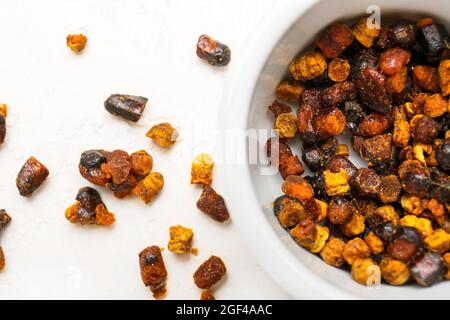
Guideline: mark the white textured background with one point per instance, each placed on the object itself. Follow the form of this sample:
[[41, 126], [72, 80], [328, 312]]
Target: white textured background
[[56, 111]]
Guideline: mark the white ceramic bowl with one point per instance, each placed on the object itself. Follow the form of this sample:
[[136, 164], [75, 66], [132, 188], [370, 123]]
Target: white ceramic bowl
[[254, 75]]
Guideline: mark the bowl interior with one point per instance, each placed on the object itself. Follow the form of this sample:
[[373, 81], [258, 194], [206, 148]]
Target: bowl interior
[[267, 187]]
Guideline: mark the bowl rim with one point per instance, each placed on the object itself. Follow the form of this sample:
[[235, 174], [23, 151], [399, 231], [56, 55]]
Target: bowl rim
[[280, 265]]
